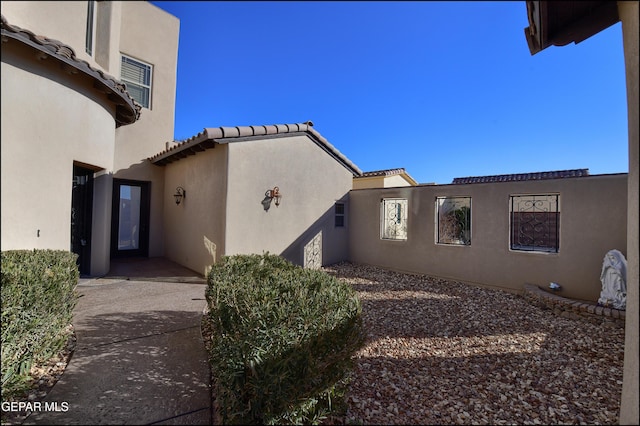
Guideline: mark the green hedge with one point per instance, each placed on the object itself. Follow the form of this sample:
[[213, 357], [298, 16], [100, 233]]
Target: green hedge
[[38, 297], [283, 339]]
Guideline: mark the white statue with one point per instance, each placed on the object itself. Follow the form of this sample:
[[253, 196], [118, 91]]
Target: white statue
[[614, 281]]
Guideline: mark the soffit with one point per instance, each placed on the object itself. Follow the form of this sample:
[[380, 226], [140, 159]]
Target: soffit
[[558, 23]]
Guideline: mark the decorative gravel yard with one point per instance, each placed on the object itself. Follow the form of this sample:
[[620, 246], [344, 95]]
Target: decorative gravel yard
[[443, 352]]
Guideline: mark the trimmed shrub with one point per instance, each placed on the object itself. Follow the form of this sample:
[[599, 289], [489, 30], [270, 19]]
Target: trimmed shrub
[[282, 340], [38, 297]]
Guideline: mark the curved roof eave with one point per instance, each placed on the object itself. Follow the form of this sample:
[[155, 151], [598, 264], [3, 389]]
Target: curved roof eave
[[127, 109]]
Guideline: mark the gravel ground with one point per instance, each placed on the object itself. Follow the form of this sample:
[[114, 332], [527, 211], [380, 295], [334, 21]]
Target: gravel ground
[[443, 352]]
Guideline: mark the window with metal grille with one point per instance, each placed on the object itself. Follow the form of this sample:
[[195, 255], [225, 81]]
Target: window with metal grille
[[137, 76], [339, 214], [393, 217], [454, 220], [535, 222]]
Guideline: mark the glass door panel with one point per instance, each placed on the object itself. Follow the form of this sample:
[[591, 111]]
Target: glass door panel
[[130, 231], [129, 220]]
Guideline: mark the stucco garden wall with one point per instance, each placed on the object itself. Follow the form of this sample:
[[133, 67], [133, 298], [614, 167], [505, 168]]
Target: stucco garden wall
[[592, 222]]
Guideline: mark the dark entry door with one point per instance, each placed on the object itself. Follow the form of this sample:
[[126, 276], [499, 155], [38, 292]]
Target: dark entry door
[[81, 209], [130, 218]]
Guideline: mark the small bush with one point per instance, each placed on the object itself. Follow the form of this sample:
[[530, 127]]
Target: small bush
[[282, 340], [38, 297]]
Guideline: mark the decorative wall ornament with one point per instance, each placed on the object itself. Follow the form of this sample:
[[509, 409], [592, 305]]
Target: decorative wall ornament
[[180, 194]]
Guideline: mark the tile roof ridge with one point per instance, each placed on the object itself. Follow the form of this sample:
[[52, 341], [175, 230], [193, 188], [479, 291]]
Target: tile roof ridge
[[553, 174], [224, 134], [385, 172]]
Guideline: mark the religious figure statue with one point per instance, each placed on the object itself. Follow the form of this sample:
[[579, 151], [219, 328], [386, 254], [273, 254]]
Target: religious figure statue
[[614, 281]]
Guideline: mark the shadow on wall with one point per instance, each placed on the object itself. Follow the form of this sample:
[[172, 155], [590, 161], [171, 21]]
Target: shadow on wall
[[328, 242]]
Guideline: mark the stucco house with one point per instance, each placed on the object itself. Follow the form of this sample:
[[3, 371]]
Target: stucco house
[[74, 138], [111, 175], [384, 179], [89, 165]]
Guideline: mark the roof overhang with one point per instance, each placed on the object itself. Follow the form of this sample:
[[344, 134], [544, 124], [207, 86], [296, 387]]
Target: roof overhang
[[127, 111], [558, 23], [210, 137]]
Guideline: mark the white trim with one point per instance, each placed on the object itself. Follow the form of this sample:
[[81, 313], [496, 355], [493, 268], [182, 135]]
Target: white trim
[[140, 84]]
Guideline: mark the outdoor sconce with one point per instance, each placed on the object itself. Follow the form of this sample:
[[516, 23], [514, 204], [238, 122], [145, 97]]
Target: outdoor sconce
[[274, 193], [180, 194]]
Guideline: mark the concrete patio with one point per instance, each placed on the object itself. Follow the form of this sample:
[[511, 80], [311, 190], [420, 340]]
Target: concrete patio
[[139, 357]]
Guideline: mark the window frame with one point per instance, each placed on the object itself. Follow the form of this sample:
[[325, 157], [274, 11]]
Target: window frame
[[90, 36], [465, 241], [403, 221], [134, 83], [552, 236], [339, 215]]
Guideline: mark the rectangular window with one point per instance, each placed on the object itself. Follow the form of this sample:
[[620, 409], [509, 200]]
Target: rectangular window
[[535, 222], [90, 27], [393, 217], [454, 220], [339, 214], [137, 76]]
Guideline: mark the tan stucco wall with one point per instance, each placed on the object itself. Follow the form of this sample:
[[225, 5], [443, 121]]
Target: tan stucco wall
[[65, 22], [151, 35], [488, 260], [380, 182], [368, 182], [310, 181], [194, 230], [49, 121], [393, 181], [629, 15]]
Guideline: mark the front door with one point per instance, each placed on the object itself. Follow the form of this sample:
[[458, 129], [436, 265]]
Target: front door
[[130, 218], [81, 209]]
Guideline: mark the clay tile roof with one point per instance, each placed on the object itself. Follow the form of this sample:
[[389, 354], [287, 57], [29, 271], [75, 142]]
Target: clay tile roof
[[209, 137], [127, 109], [388, 172], [558, 174]]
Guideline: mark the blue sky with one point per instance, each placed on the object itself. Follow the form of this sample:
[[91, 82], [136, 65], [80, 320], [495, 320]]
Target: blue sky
[[443, 89]]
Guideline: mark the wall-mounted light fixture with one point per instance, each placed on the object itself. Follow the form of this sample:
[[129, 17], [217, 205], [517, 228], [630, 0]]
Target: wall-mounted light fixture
[[274, 193], [180, 194]]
